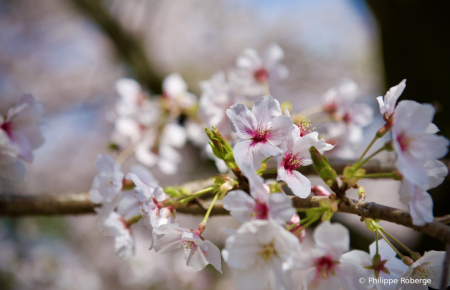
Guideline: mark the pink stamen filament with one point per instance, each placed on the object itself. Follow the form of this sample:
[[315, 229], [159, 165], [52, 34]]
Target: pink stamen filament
[[291, 161], [261, 210], [325, 266], [404, 141], [261, 135], [6, 126]]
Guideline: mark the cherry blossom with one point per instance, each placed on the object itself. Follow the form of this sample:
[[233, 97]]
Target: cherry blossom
[[340, 97], [19, 136], [150, 195], [415, 142], [175, 92], [296, 154], [253, 71], [164, 156], [198, 251], [416, 196], [388, 265], [107, 185], [328, 267], [427, 267], [114, 223], [263, 206], [387, 105], [261, 130], [259, 251], [297, 230]]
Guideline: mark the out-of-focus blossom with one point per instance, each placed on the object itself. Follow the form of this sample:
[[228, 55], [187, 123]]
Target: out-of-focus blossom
[[216, 98], [198, 251], [427, 267], [135, 113], [416, 196], [253, 72], [259, 251], [387, 106], [151, 150], [19, 136], [339, 98], [107, 185], [176, 94], [415, 141], [275, 206], [387, 266], [296, 154], [328, 267], [261, 130]]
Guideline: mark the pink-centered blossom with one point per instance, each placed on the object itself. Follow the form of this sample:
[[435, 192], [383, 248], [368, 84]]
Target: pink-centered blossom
[[416, 196], [260, 251], [150, 196], [260, 205], [108, 183], [415, 141], [388, 267], [253, 71], [387, 105], [19, 136], [328, 267], [340, 97], [296, 154], [198, 251], [176, 94], [427, 267], [260, 131]]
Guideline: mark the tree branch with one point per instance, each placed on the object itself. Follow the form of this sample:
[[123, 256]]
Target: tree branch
[[127, 46]]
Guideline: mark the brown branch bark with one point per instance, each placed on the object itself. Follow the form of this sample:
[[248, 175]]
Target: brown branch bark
[[13, 205], [445, 268], [128, 47]]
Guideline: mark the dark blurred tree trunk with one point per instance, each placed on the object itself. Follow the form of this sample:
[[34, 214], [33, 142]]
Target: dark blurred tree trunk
[[415, 37]]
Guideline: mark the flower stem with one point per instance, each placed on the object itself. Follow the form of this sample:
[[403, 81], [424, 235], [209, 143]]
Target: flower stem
[[365, 152], [368, 158], [413, 254], [378, 175], [389, 243], [210, 208], [376, 239], [190, 197]]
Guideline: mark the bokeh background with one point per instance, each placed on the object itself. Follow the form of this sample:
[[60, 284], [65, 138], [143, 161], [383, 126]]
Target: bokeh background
[[64, 54]]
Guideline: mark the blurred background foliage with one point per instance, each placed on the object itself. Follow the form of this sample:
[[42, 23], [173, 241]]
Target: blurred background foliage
[[70, 53]]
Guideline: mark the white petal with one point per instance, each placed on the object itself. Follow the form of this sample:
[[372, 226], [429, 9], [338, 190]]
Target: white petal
[[261, 151], [174, 85], [279, 279], [252, 278], [384, 250], [243, 120], [196, 260], [265, 109], [240, 205], [280, 208], [297, 182], [332, 239], [280, 127], [212, 255], [243, 154]]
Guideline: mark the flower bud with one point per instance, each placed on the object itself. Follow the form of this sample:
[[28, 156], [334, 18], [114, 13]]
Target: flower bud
[[323, 167]]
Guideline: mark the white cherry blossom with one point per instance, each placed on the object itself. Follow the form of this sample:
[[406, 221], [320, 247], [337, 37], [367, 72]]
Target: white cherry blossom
[[107, 185], [165, 156], [198, 252], [328, 267], [149, 195], [253, 71], [416, 196], [296, 154], [427, 267], [263, 206], [389, 267], [260, 251], [340, 97], [176, 93], [19, 136], [261, 130], [415, 142], [114, 223], [387, 106]]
